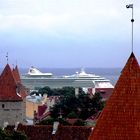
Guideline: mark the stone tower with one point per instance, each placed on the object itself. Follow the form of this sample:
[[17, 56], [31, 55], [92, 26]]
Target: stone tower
[[12, 97]]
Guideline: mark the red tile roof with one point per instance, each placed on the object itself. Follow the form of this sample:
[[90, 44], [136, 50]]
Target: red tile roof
[[18, 82], [120, 119], [8, 86], [41, 110], [44, 132], [16, 74], [22, 90]]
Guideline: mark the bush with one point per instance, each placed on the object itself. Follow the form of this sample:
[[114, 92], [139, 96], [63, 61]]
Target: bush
[[79, 123], [72, 115], [63, 121], [12, 135], [48, 121]]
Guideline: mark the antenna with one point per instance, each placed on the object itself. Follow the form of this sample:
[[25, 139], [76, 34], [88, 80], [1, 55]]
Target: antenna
[[132, 20]]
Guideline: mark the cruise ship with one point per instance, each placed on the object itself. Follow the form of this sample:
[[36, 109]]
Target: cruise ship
[[34, 72], [89, 82]]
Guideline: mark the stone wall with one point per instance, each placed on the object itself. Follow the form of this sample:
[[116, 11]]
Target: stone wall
[[12, 112]]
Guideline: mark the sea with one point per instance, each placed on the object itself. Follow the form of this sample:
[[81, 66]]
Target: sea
[[110, 73]]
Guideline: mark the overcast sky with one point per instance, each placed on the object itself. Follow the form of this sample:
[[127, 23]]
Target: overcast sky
[[68, 33]]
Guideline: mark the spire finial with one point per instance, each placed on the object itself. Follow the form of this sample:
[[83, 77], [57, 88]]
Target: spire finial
[[7, 57], [132, 20]]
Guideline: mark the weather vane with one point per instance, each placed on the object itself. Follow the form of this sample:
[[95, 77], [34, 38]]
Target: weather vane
[[132, 20]]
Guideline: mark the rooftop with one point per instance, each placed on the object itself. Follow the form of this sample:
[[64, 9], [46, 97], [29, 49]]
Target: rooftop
[[44, 132], [11, 88], [120, 119]]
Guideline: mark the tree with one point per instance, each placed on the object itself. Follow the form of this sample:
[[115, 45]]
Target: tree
[[48, 121], [45, 90], [65, 91], [17, 135], [12, 135], [83, 106], [3, 134], [79, 123], [72, 115]]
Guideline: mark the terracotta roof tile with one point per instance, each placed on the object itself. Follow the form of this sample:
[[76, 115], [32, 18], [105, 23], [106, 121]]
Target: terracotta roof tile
[[120, 119], [44, 132], [16, 74], [8, 86], [41, 110]]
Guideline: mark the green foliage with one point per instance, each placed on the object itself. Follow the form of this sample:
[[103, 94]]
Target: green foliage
[[83, 106], [15, 135], [45, 90], [72, 115], [48, 121], [3, 134], [63, 121], [79, 123], [70, 106], [65, 91]]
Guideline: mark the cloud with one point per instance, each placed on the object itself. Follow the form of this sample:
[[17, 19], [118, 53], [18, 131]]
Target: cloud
[[53, 15], [42, 22], [95, 27]]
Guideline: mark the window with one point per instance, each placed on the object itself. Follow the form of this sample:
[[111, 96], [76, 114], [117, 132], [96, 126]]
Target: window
[[3, 105]]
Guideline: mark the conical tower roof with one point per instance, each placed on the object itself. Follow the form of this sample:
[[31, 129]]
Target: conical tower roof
[[16, 74], [120, 119], [20, 87], [8, 86]]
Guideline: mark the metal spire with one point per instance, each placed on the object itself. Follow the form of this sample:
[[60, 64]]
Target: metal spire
[[132, 20], [7, 57]]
